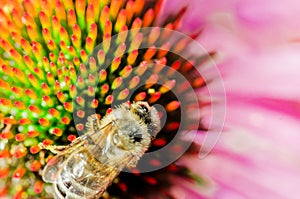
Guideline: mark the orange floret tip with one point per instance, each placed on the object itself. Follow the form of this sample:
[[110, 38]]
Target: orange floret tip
[[35, 166], [20, 137], [32, 133], [71, 137], [38, 187], [47, 142], [19, 172], [20, 152], [35, 149]]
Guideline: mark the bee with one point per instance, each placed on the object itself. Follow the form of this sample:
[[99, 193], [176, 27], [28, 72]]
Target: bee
[[86, 167]]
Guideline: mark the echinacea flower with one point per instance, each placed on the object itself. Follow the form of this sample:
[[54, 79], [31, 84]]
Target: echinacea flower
[[61, 62], [47, 64]]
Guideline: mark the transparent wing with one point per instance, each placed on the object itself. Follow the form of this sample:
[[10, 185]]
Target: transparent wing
[[52, 169], [99, 138], [54, 166], [108, 172], [94, 135]]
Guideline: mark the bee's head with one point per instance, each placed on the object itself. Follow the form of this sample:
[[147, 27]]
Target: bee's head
[[136, 124], [148, 115]]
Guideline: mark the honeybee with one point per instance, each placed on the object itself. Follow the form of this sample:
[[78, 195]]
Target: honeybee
[[86, 167]]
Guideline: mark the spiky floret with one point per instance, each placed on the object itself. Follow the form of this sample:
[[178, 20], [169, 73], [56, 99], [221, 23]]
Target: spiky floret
[[52, 79]]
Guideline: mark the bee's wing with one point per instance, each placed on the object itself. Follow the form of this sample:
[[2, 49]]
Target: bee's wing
[[52, 169], [101, 140], [56, 164], [112, 168], [98, 135]]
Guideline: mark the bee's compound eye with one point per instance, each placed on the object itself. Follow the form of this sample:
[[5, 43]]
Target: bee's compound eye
[[144, 107], [138, 137]]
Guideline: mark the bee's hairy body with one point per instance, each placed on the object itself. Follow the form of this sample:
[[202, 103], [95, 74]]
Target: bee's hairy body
[[86, 167], [84, 176]]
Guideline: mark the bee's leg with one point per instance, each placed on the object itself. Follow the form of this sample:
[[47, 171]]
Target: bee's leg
[[133, 162], [77, 140], [93, 123], [53, 148], [42, 157]]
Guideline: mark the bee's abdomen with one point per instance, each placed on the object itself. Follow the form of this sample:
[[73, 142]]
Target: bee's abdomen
[[77, 179]]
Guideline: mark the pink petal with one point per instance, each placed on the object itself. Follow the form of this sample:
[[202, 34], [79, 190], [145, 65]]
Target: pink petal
[[257, 156], [273, 74], [258, 49]]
